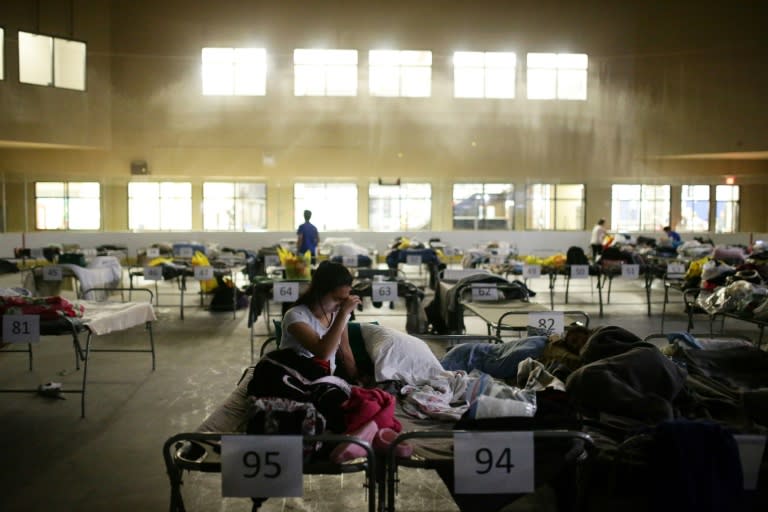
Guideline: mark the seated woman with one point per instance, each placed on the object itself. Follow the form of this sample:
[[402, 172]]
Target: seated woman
[[315, 326], [304, 370]]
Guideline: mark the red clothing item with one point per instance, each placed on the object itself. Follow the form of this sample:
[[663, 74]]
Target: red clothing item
[[372, 404]]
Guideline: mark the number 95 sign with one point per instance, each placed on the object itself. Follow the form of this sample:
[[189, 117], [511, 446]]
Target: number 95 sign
[[261, 466], [494, 462]]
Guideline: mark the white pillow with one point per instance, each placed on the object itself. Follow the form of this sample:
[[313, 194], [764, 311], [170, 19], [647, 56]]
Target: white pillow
[[399, 356]]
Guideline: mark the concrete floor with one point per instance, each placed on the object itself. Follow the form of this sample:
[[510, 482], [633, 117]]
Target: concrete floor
[[111, 460]]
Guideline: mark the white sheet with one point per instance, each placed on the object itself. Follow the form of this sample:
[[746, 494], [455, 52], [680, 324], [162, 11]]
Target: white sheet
[[105, 317]]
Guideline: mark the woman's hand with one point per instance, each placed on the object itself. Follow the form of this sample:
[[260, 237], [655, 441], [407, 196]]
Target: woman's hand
[[349, 304]]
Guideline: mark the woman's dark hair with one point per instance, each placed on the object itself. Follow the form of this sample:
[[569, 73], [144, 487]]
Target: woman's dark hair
[[327, 277]]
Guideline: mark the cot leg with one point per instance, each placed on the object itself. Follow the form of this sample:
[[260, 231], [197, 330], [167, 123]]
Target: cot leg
[[600, 282], [567, 287], [85, 373], [29, 350], [664, 307], [151, 343]]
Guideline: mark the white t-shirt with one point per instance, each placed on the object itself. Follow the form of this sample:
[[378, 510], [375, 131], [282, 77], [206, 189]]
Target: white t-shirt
[[598, 233], [303, 314]]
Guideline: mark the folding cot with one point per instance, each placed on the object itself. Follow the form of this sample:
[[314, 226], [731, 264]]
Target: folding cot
[[100, 318]]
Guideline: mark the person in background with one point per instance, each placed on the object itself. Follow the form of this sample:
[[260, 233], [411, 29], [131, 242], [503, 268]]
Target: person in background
[[308, 236], [674, 236], [596, 240]]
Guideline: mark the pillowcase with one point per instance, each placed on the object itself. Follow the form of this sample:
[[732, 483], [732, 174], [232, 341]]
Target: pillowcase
[[399, 356]]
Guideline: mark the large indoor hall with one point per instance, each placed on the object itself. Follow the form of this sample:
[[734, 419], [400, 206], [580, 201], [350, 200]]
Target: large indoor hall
[[387, 256]]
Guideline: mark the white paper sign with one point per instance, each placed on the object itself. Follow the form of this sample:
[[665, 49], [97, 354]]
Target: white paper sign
[[482, 292], [751, 448], [203, 272], [531, 271], [21, 328], [271, 260], [630, 271], [493, 462], [263, 466], [579, 271], [349, 261], [52, 273], [186, 252], [495, 259], [285, 292], [675, 270], [413, 259], [383, 291], [153, 252], [551, 322], [153, 273]]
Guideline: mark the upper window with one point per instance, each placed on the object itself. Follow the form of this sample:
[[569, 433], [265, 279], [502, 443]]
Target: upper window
[[231, 206], [2, 53], [639, 207], [560, 76], [50, 61], [694, 208], [234, 71], [726, 208], [325, 72], [406, 73], [163, 206], [484, 74], [483, 206], [399, 207], [333, 205], [67, 205], [558, 207]]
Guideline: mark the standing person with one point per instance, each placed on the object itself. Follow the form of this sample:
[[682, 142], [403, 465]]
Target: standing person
[[308, 237], [596, 240]]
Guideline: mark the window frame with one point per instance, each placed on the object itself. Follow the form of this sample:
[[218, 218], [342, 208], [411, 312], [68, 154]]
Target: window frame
[[161, 205], [483, 71], [735, 207], [695, 206], [327, 203], [238, 204], [54, 61], [301, 70], [480, 221], [557, 201], [66, 199], [642, 225], [399, 69], [404, 206], [235, 68], [558, 72]]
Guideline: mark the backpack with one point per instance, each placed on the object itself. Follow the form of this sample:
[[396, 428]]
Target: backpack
[[575, 256], [224, 298]]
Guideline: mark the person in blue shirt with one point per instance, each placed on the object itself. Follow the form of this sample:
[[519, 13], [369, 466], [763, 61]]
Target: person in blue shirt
[[672, 235], [308, 237]]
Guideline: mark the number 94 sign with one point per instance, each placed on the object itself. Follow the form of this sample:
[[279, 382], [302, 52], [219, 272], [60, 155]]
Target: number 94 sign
[[494, 462]]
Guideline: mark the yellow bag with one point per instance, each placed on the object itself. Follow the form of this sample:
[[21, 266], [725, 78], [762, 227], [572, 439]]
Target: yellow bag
[[201, 260]]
